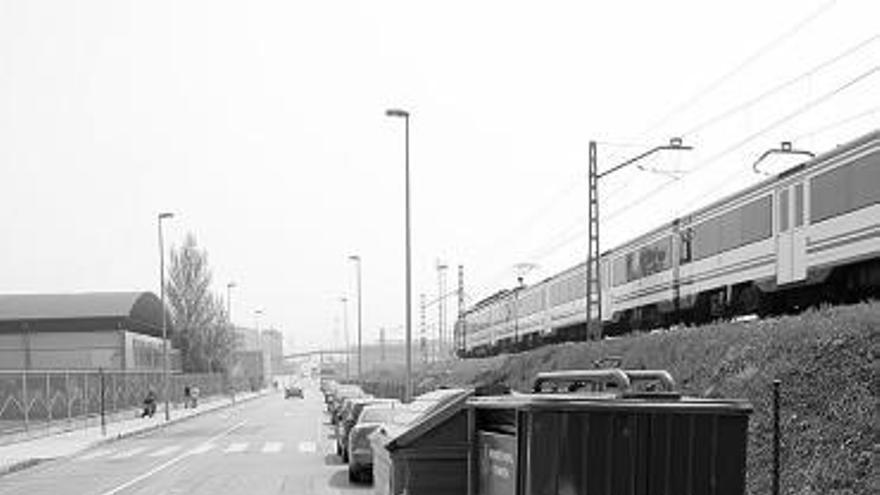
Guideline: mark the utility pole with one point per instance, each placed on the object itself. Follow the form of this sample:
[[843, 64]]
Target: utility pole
[[593, 303], [422, 328], [459, 344], [593, 272], [344, 301], [441, 305]]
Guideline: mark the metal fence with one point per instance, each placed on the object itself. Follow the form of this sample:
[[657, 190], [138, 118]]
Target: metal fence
[[32, 402]]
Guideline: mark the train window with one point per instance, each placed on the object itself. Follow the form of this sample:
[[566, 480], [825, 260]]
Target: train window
[[798, 205], [707, 238], [846, 188], [618, 271], [655, 257], [687, 240], [633, 269], [783, 210], [757, 221]]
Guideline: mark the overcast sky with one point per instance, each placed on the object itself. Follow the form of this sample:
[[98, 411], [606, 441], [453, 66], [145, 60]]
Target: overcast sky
[[261, 125]]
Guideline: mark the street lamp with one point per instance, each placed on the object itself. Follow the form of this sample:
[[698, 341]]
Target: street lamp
[[344, 301], [164, 216], [357, 260], [408, 391], [229, 287]]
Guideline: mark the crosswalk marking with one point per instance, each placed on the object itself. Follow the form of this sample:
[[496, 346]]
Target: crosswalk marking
[[236, 447], [308, 447], [165, 451], [125, 454], [272, 447], [201, 449]]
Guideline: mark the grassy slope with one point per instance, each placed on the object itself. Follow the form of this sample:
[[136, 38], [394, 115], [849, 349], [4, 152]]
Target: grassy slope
[[826, 360]]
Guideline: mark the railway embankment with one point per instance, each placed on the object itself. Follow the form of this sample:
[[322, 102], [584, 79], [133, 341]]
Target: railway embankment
[[826, 359]]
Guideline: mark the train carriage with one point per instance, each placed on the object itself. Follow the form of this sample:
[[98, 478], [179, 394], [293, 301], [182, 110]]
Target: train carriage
[[808, 235]]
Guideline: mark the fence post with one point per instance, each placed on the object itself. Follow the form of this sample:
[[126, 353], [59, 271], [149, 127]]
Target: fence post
[[48, 402], [67, 395], [24, 399], [776, 384], [103, 419]]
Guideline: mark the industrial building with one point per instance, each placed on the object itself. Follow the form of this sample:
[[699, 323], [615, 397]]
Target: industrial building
[[83, 331]]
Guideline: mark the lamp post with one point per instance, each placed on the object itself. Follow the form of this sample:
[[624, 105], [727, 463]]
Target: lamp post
[[408, 391], [344, 301], [229, 287], [357, 261], [164, 216]]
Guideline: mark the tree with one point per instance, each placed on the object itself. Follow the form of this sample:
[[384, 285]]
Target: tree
[[201, 331]]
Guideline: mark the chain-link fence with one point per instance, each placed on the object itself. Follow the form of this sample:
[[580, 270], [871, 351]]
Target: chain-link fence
[[34, 402]]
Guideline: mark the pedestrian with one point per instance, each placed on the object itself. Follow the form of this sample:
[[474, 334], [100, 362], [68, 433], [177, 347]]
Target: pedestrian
[[149, 404], [194, 396], [186, 396]]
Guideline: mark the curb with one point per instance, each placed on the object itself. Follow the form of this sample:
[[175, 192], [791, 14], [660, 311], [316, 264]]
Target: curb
[[29, 463]]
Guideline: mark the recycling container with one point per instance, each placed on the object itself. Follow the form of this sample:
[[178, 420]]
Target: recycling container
[[606, 432], [429, 454]]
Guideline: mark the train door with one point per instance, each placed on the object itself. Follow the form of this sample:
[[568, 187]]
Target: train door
[[791, 239]]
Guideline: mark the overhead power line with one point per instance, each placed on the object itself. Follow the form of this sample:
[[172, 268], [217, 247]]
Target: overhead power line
[[757, 55], [800, 77]]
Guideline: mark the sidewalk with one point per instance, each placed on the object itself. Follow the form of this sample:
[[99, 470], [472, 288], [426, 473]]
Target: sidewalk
[[21, 455]]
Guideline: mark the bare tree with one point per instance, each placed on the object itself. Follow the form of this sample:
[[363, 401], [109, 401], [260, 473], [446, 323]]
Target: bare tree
[[200, 331]]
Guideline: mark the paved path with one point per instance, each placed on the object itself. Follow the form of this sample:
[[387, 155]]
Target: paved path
[[265, 446], [23, 454]]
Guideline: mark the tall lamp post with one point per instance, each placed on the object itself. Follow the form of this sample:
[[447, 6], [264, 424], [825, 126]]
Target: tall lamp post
[[408, 391], [164, 216], [344, 301], [229, 287], [357, 261]]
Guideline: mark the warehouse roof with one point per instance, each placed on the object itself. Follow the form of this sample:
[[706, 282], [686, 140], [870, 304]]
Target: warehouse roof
[[137, 311]]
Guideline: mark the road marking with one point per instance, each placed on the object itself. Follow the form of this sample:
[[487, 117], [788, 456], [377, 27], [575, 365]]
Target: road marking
[[201, 449], [169, 462], [165, 451], [308, 447], [272, 447], [125, 454], [236, 447], [95, 455]]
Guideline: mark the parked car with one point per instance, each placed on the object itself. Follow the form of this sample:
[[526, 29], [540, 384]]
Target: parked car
[[349, 417], [360, 452]]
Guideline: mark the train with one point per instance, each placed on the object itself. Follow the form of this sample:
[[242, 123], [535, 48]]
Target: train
[[809, 235]]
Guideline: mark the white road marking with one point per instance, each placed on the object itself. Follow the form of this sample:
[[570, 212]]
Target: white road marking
[[168, 463], [201, 449], [95, 455], [236, 447], [165, 451], [272, 447], [308, 447], [125, 454]]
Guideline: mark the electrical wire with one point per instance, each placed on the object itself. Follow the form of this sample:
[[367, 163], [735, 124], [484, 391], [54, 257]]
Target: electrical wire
[[754, 57], [754, 100]]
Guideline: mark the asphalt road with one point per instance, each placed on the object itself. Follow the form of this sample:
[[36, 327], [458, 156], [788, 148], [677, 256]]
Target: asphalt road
[[266, 446]]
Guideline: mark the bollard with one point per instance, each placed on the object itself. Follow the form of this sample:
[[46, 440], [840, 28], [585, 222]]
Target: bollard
[[103, 419], [776, 384]]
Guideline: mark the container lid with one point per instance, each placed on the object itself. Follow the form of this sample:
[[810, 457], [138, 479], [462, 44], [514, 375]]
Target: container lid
[[611, 401], [449, 402]]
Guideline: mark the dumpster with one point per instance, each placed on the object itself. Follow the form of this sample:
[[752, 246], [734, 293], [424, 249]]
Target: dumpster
[[606, 432], [427, 452]]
